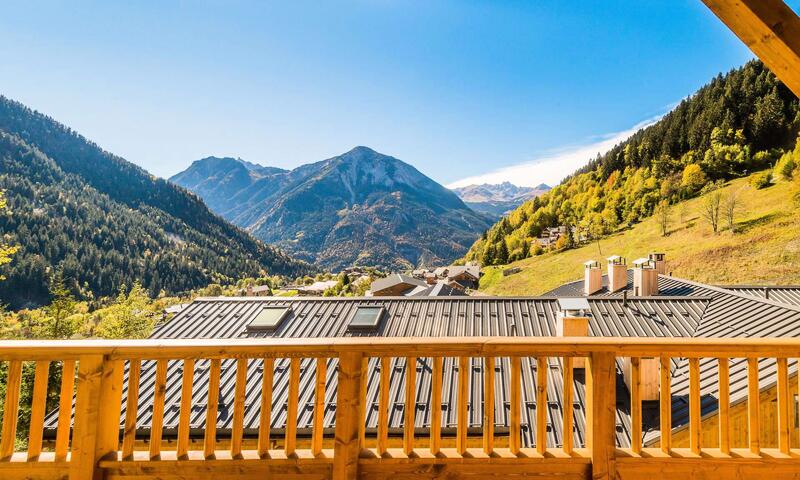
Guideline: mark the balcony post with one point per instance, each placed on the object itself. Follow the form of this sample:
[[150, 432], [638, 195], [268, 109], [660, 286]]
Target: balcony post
[[601, 410], [349, 397], [98, 406]]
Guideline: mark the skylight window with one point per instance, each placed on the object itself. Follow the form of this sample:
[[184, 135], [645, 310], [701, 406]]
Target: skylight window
[[366, 318], [269, 318]]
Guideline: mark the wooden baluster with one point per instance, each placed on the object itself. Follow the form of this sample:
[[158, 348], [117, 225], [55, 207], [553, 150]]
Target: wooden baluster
[[212, 405], [157, 423], [66, 395], [601, 411], [568, 395], [784, 401], [185, 416], [636, 405], [349, 396], [98, 406], [436, 405], [38, 405], [362, 412], [514, 435], [265, 417], [694, 405], [410, 408], [319, 406], [239, 393], [383, 405], [724, 406], [462, 416], [131, 409], [11, 409], [541, 405], [752, 405], [665, 403], [290, 441], [488, 405]]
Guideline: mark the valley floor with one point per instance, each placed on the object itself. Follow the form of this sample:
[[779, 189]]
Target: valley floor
[[764, 250]]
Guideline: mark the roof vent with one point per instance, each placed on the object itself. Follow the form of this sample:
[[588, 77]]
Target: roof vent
[[592, 277], [269, 319], [366, 318], [617, 273]]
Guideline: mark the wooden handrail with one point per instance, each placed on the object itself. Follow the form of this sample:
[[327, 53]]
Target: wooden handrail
[[174, 349]]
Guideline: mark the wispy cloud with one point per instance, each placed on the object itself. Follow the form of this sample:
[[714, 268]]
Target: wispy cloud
[[555, 165]]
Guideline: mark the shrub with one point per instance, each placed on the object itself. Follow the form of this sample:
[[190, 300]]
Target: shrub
[[761, 180], [785, 166]]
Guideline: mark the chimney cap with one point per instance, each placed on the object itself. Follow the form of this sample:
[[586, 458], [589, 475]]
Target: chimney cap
[[574, 305], [644, 263], [616, 260], [658, 256], [591, 264]]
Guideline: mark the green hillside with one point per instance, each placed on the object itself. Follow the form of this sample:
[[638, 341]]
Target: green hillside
[[765, 247], [742, 122], [104, 222]]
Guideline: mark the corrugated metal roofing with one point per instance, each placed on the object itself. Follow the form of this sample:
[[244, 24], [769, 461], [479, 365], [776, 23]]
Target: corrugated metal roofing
[[423, 317], [705, 311], [788, 294]]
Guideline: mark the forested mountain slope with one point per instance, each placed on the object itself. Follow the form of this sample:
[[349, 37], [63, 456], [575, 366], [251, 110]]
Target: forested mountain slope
[[106, 222], [738, 123]]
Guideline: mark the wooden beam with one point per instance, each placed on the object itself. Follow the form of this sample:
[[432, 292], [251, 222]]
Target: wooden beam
[[601, 412], [770, 29], [348, 398]]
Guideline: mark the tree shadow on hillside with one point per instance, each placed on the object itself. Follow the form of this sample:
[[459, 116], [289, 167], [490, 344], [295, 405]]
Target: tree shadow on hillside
[[747, 225]]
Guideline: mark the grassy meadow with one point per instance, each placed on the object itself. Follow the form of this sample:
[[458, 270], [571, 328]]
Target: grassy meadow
[[764, 249]]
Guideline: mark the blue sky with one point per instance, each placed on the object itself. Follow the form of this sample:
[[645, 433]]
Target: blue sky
[[458, 89]]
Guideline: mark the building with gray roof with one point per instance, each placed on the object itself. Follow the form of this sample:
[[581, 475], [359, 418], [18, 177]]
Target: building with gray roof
[[700, 311]]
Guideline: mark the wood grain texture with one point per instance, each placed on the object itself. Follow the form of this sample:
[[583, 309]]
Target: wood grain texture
[[319, 405], [515, 398], [488, 405], [265, 415], [636, 405], [38, 405], [601, 393], [436, 405], [410, 406], [157, 419], [239, 393], [752, 405], [541, 405], [349, 396], [212, 406], [11, 409], [383, 405], [185, 415], [462, 418], [665, 406], [66, 394], [694, 405], [724, 405], [770, 28], [568, 394], [131, 409], [290, 429]]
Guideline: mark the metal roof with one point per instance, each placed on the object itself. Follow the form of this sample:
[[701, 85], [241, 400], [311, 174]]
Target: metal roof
[[788, 294], [706, 311]]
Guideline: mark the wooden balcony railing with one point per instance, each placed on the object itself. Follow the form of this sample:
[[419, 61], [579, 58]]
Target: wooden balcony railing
[[99, 390]]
